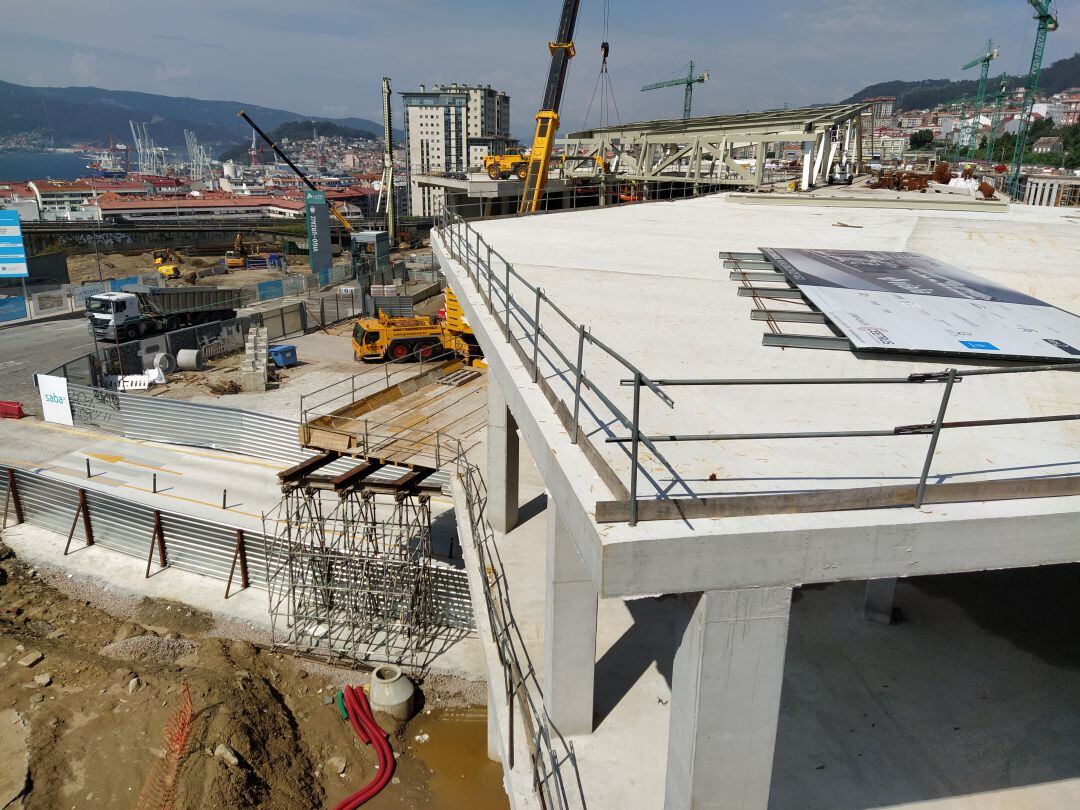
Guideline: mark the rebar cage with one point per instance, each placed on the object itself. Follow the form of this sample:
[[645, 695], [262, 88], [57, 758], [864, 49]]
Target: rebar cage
[[348, 575]]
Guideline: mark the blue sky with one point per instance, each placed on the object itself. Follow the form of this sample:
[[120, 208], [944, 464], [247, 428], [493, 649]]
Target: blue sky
[[327, 57]]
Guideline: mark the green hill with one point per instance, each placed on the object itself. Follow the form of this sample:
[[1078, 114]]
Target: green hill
[[926, 93], [89, 114]]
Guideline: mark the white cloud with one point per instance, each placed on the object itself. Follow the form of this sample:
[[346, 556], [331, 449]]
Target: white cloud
[[171, 73], [84, 67]]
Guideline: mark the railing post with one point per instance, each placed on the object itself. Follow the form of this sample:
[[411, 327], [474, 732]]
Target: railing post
[[920, 491], [536, 337], [490, 274], [577, 382], [636, 433], [507, 281]]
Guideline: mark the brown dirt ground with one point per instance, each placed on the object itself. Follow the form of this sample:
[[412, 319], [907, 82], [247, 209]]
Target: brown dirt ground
[[96, 729]]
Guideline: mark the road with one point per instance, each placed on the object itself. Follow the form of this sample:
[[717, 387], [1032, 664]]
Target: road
[[35, 347]]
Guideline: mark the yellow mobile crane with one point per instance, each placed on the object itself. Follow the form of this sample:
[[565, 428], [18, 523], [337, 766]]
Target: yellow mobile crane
[[547, 120]]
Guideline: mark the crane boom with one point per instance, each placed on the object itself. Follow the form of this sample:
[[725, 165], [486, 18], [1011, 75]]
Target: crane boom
[[277, 150], [689, 81], [386, 192], [1047, 22], [547, 119]]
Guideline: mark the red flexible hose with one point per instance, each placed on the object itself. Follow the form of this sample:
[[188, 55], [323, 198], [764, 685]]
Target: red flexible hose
[[363, 722]]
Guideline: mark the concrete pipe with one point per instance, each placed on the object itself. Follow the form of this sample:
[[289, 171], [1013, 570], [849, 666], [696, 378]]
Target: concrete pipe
[[190, 360], [392, 692], [165, 361]]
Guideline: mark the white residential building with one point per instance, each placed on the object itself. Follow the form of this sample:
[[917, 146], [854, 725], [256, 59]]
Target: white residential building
[[449, 129]]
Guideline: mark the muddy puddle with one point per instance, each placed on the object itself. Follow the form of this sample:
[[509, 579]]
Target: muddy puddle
[[445, 765]]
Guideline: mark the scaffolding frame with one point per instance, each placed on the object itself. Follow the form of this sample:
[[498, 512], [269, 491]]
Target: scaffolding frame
[[348, 574]]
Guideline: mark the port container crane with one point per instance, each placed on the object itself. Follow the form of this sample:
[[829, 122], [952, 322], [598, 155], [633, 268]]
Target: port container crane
[[689, 80], [1047, 21], [277, 150], [988, 56], [547, 119]]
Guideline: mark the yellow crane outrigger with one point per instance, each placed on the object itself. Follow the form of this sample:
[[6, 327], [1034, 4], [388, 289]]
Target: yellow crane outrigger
[[547, 120]]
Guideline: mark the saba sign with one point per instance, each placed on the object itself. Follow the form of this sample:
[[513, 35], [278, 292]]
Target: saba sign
[[318, 231]]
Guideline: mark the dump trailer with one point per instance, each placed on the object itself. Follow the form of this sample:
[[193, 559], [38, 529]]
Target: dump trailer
[[418, 338], [140, 310]]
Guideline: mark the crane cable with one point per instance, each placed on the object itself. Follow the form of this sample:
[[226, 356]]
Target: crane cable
[[603, 78]]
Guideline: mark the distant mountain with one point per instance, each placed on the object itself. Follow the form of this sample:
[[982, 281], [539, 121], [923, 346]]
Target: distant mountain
[[301, 131], [87, 114], [917, 95]]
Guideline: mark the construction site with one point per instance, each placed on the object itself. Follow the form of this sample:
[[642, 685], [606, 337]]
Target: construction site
[[703, 462]]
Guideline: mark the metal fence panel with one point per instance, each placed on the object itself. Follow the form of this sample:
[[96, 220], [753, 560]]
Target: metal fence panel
[[192, 544], [95, 407]]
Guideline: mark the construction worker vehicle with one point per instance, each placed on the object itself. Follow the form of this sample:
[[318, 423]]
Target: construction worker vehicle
[[403, 340], [502, 167], [139, 310], [166, 261], [236, 258]]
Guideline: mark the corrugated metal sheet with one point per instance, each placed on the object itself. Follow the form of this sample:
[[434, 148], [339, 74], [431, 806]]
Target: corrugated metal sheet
[[192, 544]]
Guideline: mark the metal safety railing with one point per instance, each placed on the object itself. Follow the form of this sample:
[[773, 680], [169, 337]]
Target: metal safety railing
[[494, 278], [551, 757], [519, 309]]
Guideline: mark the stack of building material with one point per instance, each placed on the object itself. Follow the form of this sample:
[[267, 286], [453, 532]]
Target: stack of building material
[[254, 371]]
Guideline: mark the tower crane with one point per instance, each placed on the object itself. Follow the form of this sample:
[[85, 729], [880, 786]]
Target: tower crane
[[689, 80], [296, 169], [386, 192], [995, 122], [1047, 22], [547, 119], [989, 56]]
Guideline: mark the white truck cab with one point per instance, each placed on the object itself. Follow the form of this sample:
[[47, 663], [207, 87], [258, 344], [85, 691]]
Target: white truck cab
[[111, 311]]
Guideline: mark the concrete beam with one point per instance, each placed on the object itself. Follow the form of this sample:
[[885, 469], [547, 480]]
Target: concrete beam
[[754, 552], [569, 632], [880, 597], [725, 699], [502, 463]]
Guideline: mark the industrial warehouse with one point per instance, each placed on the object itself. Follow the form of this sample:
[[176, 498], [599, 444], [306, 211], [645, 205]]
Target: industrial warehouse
[[726, 460]]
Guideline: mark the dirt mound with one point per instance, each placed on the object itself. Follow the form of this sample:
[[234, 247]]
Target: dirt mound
[[97, 692]]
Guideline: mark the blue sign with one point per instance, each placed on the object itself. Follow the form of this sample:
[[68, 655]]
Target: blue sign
[[12, 249], [981, 345], [12, 309], [318, 230]]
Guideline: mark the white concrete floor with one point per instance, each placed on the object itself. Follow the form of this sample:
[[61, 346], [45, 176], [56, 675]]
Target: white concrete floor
[[972, 702], [648, 280]]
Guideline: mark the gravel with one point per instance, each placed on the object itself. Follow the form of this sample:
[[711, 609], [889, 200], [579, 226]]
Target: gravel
[[152, 649]]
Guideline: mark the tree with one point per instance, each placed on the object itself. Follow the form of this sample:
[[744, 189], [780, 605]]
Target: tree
[[921, 139]]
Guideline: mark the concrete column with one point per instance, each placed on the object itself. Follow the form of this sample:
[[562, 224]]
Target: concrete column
[[880, 596], [807, 164], [821, 167], [569, 631], [494, 733], [725, 699], [502, 467]]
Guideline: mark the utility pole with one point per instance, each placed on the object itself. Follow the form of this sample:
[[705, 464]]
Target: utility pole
[[689, 81]]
